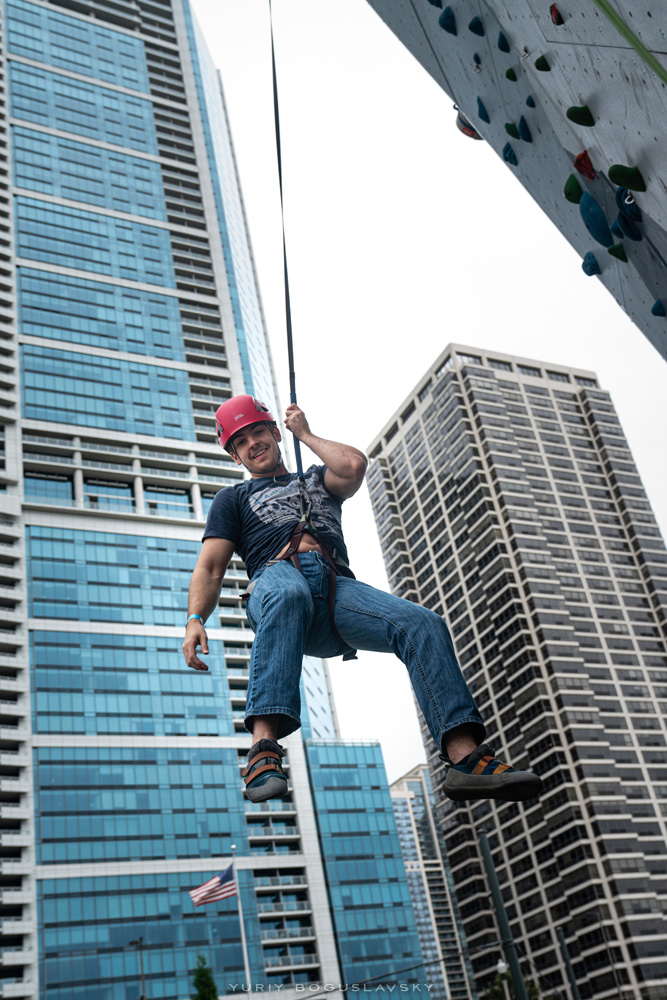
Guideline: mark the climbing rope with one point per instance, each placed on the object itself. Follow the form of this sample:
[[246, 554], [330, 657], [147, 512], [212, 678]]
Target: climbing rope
[[306, 502]]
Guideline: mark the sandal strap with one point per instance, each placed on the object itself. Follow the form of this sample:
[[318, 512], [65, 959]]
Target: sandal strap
[[260, 756], [261, 770]]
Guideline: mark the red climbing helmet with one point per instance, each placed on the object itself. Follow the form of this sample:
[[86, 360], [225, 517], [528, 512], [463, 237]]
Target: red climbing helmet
[[238, 412]]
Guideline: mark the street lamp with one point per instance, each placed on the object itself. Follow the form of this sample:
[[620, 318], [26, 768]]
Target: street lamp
[[139, 945], [501, 969]]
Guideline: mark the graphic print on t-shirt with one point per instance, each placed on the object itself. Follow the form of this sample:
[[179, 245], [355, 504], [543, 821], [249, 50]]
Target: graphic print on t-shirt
[[281, 504]]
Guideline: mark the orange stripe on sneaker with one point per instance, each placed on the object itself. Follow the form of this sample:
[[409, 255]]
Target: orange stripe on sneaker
[[480, 765], [501, 768]]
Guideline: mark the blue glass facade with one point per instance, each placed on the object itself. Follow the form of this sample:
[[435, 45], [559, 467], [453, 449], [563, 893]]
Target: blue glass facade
[[95, 576], [96, 683], [86, 926], [99, 315], [104, 392], [87, 241], [373, 917], [82, 172]]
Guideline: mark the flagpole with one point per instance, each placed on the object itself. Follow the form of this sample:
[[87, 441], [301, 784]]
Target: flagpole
[[244, 946]]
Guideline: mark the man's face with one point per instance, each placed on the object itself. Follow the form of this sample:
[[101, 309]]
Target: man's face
[[256, 447]]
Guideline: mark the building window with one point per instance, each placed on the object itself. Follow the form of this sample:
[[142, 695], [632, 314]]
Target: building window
[[502, 366], [580, 380], [469, 359], [558, 376]]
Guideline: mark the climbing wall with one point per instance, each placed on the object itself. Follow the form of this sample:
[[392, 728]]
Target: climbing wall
[[573, 98]]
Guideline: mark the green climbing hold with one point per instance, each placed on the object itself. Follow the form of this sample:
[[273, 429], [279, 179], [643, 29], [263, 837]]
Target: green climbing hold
[[627, 177], [448, 21], [658, 309], [573, 190], [581, 116], [510, 74], [542, 65], [512, 130], [617, 250]]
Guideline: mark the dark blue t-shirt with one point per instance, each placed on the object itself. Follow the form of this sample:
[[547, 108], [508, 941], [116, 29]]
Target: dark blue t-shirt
[[259, 516]]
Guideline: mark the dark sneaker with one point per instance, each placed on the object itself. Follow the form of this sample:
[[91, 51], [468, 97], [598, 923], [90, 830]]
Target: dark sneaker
[[481, 776], [264, 777]]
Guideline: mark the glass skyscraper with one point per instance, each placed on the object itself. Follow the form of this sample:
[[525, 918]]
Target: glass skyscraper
[[507, 500], [128, 311]]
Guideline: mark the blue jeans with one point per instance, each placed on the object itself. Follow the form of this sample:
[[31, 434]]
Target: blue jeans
[[288, 612]]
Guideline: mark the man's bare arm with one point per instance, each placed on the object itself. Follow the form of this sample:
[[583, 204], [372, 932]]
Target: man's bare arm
[[346, 466], [203, 595]]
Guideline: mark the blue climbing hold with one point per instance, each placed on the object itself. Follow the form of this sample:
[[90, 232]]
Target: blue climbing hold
[[658, 309], [590, 266], [503, 44], [476, 26], [594, 220], [626, 204], [616, 230], [435, 3], [524, 131], [628, 228], [530, 101], [509, 156], [482, 113], [448, 21]]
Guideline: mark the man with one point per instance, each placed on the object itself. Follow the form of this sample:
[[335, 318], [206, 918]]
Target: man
[[303, 598]]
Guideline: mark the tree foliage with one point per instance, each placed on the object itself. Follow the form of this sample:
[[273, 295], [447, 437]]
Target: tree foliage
[[203, 983]]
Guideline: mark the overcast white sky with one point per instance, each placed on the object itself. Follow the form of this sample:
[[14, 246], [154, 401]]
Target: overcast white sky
[[402, 234]]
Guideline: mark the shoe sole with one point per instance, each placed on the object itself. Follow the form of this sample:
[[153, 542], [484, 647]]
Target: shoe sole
[[509, 788], [274, 788]]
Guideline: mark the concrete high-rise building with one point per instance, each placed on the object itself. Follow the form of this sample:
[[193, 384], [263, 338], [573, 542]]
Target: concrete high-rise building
[[507, 500], [129, 310], [441, 934]]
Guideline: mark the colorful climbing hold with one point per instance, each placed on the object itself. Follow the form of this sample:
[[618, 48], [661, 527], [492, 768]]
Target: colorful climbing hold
[[510, 74], [582, 162], [476, 59], [626, 205], [503, 44], [530, 101], [555, 15], [628, 228], [512, 130], [542, 64], [590, 266], [616, 230], [435, 3], [509, 156], [448, 21], [618, 252], [482, 113], [476, 26], [580, 115], [658, 309], [594, 220], [524, 131], [573, 190], [629, 177]]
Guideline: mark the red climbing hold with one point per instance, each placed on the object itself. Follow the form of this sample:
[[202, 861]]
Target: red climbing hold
[[555, 15], [583, 164]]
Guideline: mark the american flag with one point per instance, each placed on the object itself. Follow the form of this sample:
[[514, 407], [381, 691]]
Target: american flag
[[219, 887]]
